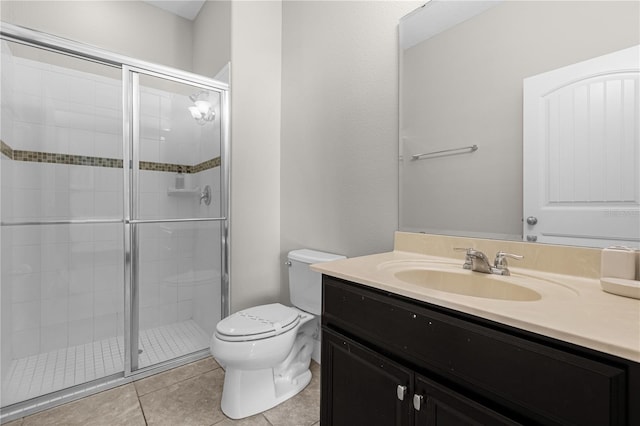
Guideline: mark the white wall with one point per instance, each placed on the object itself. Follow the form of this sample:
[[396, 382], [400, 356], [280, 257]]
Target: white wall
[[212, 38], [339, 168], [329, 180], [130, 28], [256, 31]]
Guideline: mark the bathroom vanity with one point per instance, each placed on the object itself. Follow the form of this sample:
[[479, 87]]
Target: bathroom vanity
[[396, 354]]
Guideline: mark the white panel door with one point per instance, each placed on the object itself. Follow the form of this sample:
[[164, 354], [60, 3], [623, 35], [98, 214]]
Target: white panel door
[[582, 152]]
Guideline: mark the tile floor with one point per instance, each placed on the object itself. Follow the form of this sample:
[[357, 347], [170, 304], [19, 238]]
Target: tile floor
[[185, 396]]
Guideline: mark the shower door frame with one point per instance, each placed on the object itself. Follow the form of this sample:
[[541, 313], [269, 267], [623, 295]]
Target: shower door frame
[[131, 68], [131, 156]]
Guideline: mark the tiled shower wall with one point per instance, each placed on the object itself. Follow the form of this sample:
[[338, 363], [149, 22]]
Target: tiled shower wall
[[63, 284]]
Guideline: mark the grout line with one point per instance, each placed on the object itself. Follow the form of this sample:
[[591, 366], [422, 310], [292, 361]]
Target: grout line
[[179, 381], [267, 420], [144, 416]]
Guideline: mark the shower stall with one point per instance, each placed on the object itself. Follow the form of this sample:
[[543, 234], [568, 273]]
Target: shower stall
[[114, 218]]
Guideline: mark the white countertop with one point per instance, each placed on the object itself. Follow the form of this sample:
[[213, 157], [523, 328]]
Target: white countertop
[[572, 309]]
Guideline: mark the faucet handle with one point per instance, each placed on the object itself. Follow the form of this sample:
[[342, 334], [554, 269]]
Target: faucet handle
[[501, 259], [468, 250], [467, 259]]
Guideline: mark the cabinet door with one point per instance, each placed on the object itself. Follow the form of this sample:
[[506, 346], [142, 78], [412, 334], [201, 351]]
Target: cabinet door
[[436, 405], [360, 387]]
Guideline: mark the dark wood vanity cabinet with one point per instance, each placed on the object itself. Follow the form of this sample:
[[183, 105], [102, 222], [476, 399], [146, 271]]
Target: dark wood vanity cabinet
[[388, 360], [362, 387]]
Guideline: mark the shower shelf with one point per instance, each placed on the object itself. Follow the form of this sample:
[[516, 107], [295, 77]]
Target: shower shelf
[[186, 191]]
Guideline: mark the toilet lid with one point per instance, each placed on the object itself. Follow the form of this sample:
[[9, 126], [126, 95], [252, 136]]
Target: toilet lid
[[258, 322]]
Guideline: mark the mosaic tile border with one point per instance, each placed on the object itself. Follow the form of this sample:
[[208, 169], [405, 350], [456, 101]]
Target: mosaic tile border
[[206, 165], [163, 167], [75, 160], [6, 149], [81, 160]]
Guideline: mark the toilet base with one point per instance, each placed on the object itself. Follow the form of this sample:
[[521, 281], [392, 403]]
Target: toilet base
[[249, 392]]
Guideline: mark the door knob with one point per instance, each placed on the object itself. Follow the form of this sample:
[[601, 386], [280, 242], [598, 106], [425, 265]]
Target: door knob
[[532, 220]]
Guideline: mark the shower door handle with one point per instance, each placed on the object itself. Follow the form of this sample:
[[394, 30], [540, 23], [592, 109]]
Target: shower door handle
[[191, 219]]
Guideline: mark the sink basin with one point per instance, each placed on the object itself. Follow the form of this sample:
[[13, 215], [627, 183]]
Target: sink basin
[[449, 277], [469, 284]]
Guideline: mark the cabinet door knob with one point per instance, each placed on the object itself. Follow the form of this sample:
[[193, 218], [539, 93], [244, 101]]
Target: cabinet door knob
[[417, 402], [401, 391]]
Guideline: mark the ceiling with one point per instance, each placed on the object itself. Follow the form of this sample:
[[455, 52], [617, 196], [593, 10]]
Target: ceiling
[[186, 8]]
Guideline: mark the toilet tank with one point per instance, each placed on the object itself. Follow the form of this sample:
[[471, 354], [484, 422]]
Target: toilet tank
[[305, 285]]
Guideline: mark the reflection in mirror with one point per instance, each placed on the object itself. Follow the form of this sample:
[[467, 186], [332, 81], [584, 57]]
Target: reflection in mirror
[[462, 84]]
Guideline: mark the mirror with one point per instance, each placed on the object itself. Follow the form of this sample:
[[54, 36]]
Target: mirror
[[462, 70]]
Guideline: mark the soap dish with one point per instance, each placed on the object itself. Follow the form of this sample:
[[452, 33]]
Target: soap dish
[[621, 287]]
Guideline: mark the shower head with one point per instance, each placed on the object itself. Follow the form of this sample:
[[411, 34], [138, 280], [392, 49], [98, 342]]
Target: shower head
[[201, 95], [202, 111]]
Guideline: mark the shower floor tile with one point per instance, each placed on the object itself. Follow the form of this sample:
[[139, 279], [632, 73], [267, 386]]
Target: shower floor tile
[[52, 371], [171, 341]]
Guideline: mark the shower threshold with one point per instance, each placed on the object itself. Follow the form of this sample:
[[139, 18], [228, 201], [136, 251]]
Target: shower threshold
[[48, 372]]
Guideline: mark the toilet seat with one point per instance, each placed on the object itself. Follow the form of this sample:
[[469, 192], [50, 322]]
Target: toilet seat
[[256, 323]]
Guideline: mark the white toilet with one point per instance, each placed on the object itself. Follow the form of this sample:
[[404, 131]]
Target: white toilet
[[266, 350]]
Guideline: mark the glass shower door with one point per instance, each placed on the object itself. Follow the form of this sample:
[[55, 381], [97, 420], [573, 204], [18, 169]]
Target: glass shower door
[[176, 218], [62, 286]]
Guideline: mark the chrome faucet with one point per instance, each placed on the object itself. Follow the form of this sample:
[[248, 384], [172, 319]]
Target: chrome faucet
[[477, 261]]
